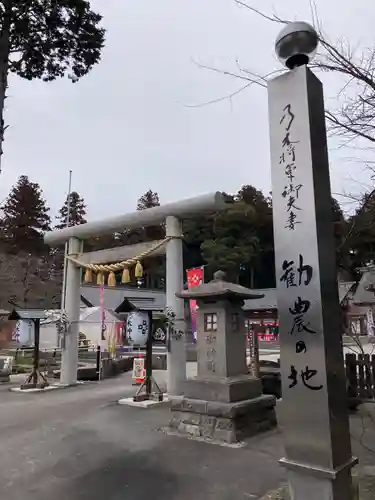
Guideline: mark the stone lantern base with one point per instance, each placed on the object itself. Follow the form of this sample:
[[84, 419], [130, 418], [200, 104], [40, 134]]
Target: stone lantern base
[[228, 422], [223, 403]]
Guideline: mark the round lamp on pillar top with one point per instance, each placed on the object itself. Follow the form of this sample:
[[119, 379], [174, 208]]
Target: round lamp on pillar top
[[296, 44]]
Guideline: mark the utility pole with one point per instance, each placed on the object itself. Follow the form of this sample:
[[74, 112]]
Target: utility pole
[[66, 244]]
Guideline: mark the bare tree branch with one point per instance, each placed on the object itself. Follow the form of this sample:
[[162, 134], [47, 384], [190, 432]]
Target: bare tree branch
[[273, 17], [219, 99], [248, 76], [28, 281], [354, 117], [225, 72]]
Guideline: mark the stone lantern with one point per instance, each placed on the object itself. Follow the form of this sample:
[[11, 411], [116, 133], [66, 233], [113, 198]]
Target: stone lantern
[[224, 402]]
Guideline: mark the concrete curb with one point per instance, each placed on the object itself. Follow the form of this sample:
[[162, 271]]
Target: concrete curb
[[150, 403]]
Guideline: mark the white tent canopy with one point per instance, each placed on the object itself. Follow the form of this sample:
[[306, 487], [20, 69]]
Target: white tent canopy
[[90, 326]]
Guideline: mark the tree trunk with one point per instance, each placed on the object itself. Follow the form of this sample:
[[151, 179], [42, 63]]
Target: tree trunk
[[252, 277], [4, 64]]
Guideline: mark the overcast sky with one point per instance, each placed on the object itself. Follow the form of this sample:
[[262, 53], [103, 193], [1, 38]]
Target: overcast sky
[[125, 128]]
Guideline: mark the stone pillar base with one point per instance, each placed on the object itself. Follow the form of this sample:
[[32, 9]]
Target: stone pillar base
[[222, 422]]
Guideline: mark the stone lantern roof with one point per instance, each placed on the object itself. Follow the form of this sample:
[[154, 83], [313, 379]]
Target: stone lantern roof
[[220, 289]]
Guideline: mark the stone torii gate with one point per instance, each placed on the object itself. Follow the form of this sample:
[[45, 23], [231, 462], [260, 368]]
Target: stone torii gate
[[171, 214]]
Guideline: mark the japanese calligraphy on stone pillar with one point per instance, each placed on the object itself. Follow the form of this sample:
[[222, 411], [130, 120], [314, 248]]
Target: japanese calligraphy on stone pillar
[[288, 161], [211, 352], [296, 274]]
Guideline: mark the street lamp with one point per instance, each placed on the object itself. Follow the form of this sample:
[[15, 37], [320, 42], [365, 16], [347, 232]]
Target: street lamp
[[313, 411], [296, 44]]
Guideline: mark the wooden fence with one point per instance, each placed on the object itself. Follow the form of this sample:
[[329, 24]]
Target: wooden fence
[[360, 376]]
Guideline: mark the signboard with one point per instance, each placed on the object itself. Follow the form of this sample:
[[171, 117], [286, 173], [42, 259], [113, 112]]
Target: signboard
[[253, 344], [370, 323], [267, 330], [267, 337], [139, 371]]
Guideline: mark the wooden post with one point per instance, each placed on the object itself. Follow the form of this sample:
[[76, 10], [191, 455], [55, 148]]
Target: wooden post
[[36, 351], [149, 356], [351, 375]]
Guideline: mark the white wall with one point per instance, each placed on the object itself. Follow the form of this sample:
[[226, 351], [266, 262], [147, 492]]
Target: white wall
[[48, 336], [92, 331]]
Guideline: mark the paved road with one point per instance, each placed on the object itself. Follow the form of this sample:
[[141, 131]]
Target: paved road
[[78, 444]]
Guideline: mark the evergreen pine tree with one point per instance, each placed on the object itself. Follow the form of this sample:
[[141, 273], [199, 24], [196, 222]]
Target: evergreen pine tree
[[154, 268], [46, 40], [148, 200], [25, 218], [77, 211]]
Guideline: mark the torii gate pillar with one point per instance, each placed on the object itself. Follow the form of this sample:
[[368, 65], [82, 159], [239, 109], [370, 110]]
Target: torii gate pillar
[[176, 355], [69, 351]]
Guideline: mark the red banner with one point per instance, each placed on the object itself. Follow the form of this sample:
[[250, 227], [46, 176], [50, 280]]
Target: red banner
[[195, 277]]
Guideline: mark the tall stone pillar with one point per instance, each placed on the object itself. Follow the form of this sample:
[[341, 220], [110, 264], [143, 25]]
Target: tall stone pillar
[[314, 411], [69, 356], [176, 355]]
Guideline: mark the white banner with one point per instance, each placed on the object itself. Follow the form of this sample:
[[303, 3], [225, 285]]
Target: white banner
[[25, 332], [370, 323]]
